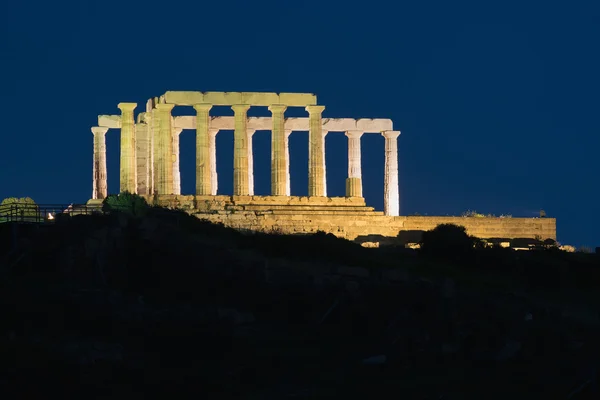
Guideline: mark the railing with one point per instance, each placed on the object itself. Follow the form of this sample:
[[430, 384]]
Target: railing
[[42, 213]]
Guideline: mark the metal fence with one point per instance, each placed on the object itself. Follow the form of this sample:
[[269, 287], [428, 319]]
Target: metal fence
[[42, 213]]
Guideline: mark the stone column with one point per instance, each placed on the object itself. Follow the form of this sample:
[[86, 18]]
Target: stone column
[[316, 154], [176, 169], [354, 180], [250, 133], [391, 197], [128, 160], [324, 166], [212, 148], [278, 151], [163, 151], [154, 129], [99, 186], [288, 184], [141, 151], [240, 151], [203, 150]]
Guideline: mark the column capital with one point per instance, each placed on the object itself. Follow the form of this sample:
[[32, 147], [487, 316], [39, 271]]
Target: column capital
[[315, 109], [390, 134], [354, 134], [202, 107], [164, 107], [99, 130], [127, 106], [287, 132], [250, 131], [277, 108], [240, 108], [213, 131], [177, 131]]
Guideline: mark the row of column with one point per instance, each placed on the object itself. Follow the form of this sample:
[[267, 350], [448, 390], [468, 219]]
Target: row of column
[[161, 150]]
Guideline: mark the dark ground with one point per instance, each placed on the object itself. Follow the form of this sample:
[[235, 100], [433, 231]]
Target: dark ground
[[169, 306]]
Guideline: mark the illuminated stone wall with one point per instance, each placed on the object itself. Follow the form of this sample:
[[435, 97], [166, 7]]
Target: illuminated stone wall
[[345, 217]]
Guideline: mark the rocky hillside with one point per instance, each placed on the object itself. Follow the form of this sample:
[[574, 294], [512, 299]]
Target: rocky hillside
[[167, 305]]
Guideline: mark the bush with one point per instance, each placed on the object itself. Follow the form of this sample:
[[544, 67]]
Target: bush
[[127, 203], [14, 208], [448, 240]]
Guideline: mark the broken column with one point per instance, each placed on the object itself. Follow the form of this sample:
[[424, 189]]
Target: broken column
[[391, 198], [128, 165], [163, 151], [279, 162], [316, 155], [354, 180], [240, 151], [100, 186]]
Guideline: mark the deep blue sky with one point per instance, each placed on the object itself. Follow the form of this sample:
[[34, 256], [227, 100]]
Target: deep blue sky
[[497, 101]]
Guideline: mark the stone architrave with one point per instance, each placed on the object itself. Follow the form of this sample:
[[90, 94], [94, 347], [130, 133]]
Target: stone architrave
[[250, 133], [204, 155], [278, 151], [316, 154], [391, 196], [100, 186], [141, 151], [240, 150], [212, 148], [163, 151], [128, 175], [354, 180], [176, 167], [288, 184]]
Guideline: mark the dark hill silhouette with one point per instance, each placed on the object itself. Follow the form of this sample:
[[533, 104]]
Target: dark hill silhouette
[[161, 303]]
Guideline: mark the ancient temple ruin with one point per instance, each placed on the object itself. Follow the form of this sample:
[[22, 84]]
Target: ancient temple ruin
[[149, 166]]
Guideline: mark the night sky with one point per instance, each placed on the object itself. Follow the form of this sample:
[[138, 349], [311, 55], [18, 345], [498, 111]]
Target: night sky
[[497, 101]]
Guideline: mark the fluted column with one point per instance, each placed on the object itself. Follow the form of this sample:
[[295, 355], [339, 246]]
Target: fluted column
[[288, 184], [212, 148], [391, 197], [354, 180], [324, 165], [99, 186], [128, 181], [240, 151], [154, 130], [150, 149], [250, 133], [141, 152], [163, 151], [316, 154], [203, 150], [176, 168], [278, 151]]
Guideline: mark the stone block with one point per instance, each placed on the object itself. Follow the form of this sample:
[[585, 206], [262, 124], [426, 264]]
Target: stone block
[[259, 98], [297, 99], [184, 122], [374, 125], [223, 98], [109, 121], [222, 123], [339, 124], [183, 98]]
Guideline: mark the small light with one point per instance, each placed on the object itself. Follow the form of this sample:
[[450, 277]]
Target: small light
[[50, 216]]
